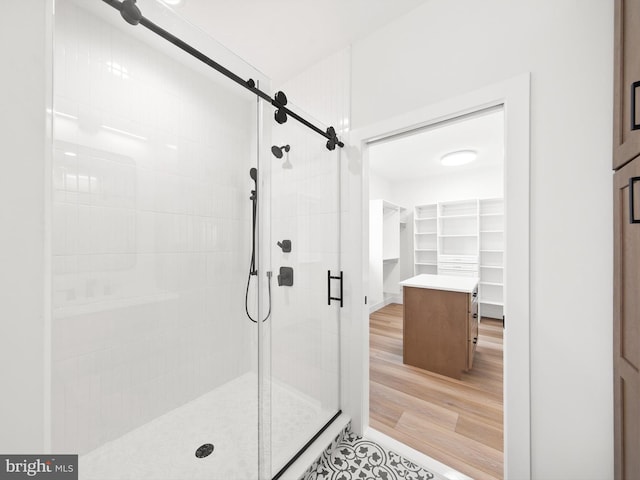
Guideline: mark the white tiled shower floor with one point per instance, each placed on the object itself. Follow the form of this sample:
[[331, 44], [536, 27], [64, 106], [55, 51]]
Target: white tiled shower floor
[[227, 417]]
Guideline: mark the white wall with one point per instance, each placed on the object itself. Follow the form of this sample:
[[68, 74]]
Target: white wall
[[380, 188], [480, 183], [456, 47], [22, 235]]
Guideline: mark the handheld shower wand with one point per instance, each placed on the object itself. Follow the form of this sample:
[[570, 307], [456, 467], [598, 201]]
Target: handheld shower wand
[[253, 173]]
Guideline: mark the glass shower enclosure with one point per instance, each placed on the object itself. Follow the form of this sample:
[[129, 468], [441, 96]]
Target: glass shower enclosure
[[169, 358]]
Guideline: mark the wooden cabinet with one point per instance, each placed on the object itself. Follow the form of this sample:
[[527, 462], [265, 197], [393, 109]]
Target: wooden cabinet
[[440, 329], [626, 318], [626, 284], [626, 100]]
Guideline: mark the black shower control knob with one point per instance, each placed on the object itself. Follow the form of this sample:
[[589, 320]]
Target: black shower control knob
[[285, 245]]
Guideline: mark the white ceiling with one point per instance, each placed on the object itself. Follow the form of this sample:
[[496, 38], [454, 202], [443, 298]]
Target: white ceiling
[[418, 155], [281, 38]]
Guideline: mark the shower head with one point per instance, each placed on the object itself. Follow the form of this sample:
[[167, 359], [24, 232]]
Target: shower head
[[277, 151], [253, 173]]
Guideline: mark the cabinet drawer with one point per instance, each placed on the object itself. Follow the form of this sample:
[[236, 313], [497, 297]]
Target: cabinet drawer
[[470, 353], [473, 320], [458, 273], [468, 267], [626, 99], [458, 259], [458, 269]]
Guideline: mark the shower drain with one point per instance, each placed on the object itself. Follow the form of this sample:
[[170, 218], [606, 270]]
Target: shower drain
[[205, 450]]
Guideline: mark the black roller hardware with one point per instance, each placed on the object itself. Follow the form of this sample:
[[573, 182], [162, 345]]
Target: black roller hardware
[[132, 15]]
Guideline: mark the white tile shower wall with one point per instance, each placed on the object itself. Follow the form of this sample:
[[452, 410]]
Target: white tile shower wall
[[151, 232]]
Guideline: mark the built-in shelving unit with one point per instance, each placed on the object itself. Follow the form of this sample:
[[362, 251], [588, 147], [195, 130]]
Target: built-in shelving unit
[[458, 240], [464, 237], [425, 231], [385, 221], [491, 293]]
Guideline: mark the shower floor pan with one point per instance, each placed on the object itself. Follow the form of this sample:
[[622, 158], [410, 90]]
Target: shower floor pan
[[164, 449]]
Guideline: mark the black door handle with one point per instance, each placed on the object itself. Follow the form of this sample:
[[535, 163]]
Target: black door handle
[[632, 215], [634, 124], [329, 297]]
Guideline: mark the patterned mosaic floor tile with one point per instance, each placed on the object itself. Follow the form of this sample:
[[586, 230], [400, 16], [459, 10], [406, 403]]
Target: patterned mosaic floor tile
[[358, 459]]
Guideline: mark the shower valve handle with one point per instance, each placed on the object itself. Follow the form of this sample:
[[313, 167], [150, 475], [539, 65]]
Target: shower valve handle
[[285, 245]]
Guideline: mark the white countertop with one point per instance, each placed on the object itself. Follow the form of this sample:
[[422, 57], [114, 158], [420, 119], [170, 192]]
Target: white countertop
[[442, 282]]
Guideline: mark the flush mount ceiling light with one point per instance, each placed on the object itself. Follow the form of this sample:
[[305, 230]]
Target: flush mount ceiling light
[[460, 157], [173, 3]]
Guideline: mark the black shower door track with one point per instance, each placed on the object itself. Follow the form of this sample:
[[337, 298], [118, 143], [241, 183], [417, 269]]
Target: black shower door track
[[306, 446], [131, 13]]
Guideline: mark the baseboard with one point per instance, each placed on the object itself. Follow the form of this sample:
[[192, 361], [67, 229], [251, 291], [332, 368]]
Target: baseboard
[[385, 302]]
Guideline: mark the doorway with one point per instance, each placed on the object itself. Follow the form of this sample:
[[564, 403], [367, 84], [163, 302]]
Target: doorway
[[436, 208], [514, 95]]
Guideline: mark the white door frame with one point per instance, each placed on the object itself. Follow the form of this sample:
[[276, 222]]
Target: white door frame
[[514, 95]]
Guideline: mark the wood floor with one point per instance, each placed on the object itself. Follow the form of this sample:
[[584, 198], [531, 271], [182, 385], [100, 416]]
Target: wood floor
[[457, 422]]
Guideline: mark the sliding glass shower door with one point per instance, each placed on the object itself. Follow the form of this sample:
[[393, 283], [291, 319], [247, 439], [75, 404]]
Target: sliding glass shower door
[[303, 252], [154, 370]]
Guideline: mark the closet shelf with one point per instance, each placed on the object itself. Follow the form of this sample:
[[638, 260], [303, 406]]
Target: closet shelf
[[468, 238], [491, 302], [466, 215]]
